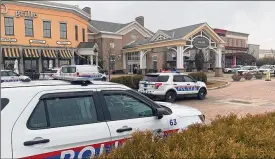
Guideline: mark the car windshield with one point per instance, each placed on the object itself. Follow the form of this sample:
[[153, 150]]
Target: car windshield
[[155, 78], [246, 68], [265, 67]]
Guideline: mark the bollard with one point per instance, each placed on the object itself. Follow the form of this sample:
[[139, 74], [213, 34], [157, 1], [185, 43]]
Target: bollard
[[268, 76]]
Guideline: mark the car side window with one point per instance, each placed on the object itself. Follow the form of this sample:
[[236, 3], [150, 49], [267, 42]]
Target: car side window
[[4, 73], [188, 79], [123, 106], [178, 78], [61, 112]]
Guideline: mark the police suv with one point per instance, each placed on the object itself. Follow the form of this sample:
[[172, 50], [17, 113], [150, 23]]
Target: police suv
[[169, 86], [78, 119]]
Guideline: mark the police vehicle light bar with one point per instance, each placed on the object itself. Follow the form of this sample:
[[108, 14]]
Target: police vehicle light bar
[[76, 80]]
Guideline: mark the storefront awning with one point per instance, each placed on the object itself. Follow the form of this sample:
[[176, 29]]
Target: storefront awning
[[31, 53], [50, 54], [11, 53], [65, 54]]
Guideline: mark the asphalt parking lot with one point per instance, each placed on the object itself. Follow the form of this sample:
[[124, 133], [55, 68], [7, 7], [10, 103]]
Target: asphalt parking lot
[[256, 96]]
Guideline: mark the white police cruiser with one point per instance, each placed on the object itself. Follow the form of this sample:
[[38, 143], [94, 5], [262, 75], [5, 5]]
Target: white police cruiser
[[10, 76], [169, 86], [78, 119], [92, 72]]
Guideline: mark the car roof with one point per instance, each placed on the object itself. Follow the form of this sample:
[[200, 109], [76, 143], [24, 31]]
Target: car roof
[[5, 70], [42, 84]]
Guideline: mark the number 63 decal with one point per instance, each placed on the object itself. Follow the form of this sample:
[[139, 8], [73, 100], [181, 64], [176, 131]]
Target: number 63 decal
[[173, 122]]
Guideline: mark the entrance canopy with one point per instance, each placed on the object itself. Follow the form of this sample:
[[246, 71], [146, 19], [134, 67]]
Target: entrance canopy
[[198, 36]]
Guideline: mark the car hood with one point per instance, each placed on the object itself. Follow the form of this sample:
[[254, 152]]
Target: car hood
[[264, 69], [181, 110], [243, 70]]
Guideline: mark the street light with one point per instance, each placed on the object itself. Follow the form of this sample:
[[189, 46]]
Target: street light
[[112, 46]]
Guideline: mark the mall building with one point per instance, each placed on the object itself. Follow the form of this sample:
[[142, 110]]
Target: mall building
[[40, 33]]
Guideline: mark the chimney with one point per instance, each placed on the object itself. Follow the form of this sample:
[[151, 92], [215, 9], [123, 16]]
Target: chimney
[[87, 10], [140, 20]]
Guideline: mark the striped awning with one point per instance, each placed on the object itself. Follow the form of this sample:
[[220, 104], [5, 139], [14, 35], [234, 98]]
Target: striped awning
[[31, 53], [49, 54], [65, 54], [11, 52]]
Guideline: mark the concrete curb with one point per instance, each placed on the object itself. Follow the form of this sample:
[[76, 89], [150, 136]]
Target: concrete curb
[[222, 86]]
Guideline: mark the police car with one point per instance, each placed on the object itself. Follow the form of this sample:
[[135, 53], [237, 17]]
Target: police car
[[172, 85], [78, 119], [10, 76]]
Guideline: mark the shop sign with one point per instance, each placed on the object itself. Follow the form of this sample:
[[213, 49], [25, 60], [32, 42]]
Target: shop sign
[[63, 43], [35, 41], [8, 39], [28, 14], [4, 9], [201, 42]]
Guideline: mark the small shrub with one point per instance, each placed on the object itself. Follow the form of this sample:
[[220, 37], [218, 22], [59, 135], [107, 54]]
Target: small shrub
[[136, 80], [199, 76], [129, 81], [248, 76], [226, 137], [258, 76], [236, 77]]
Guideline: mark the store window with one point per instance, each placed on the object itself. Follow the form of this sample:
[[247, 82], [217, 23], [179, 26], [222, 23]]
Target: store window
[[9, 26], [28, 27], [113, 61], [76, 32], [9, 64], [63, 31], [47, 29], [83, 35], [46, 64], [133, 56]]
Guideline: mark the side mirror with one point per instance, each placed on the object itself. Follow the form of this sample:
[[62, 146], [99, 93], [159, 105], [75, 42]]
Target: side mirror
[[160, 112]]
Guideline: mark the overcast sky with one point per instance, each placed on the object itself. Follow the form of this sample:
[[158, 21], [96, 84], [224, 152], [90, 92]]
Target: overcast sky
[[255, 18]]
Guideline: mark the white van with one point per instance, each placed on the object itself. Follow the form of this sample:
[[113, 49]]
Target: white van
[[91, 72]]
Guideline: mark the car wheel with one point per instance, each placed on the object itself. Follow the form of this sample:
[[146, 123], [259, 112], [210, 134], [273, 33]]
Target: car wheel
[[170, 96], [202, 94], [103, 79], [229, 71]]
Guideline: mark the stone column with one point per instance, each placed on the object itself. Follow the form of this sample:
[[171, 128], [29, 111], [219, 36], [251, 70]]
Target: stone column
[[218, 69], [142, 61], [180, 60], [124, 62], [234, 60]]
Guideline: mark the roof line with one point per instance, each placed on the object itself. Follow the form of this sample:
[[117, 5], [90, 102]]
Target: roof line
[[83, 13]]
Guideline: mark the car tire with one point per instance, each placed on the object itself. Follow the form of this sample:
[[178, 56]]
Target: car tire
[[103, 79], [170, 96], [202, 94], [229, 71]]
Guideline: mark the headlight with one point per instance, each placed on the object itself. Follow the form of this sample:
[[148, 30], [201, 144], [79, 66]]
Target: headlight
[[202, 117]]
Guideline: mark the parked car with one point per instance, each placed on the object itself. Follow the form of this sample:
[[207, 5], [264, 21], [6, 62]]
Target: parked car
[[234, 69], [92, 72], [169, 86], [49, 74], [62, 119], [10, 76], [266, 68], [248, 69]]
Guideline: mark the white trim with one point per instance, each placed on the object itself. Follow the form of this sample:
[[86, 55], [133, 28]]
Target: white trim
[[158, 33], [132, 26], [102, 35], [53, 6]]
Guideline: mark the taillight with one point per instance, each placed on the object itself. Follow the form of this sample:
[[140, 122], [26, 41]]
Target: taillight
[[77, 73], [157, 85]]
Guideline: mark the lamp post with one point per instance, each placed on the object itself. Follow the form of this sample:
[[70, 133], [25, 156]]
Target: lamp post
[[31, 63], [112, 46]]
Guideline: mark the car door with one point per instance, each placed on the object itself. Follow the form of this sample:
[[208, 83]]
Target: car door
[[181, 85], [61, 124], [193, 87], [128, 111]]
